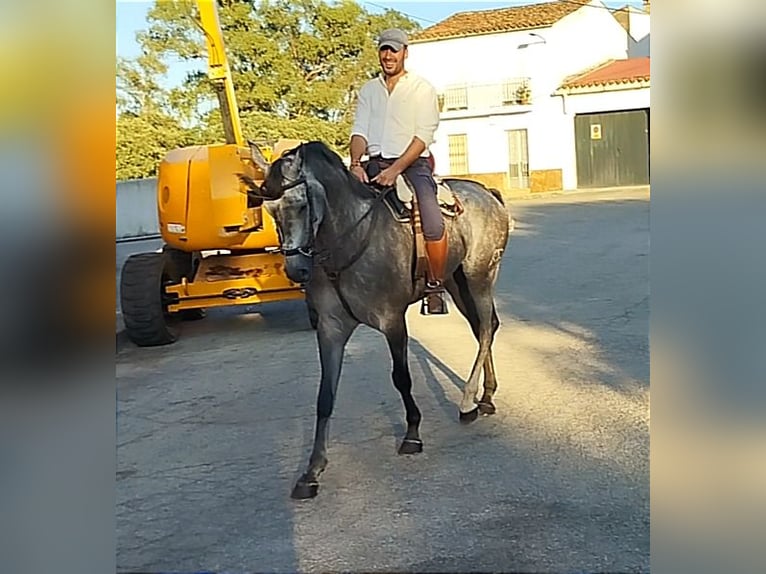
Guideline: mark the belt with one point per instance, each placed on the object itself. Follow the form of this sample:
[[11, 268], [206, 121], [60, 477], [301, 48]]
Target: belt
[[378, 156]]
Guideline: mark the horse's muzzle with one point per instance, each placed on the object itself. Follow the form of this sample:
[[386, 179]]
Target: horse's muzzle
[[298, 267]]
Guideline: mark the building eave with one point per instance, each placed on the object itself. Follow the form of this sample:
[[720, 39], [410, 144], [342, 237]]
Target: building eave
[[476, 34], [603, 87]]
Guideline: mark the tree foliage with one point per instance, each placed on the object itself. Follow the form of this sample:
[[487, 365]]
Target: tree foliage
[[297, 66]]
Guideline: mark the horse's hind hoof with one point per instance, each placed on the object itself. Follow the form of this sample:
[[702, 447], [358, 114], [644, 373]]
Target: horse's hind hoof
[[411, 446], [470, 416], [304, 490], [486, 408]]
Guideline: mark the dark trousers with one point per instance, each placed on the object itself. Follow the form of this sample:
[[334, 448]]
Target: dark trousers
[[418, 174]]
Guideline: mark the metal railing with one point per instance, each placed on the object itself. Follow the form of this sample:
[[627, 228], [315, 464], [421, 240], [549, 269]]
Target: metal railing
[[511, 92]]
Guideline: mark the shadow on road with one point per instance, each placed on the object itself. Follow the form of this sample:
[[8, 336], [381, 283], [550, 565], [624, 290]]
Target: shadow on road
[[214, 429], [204, 428], [579, 272]]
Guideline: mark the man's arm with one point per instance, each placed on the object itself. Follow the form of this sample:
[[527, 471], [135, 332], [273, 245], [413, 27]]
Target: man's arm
[[426, 123], [413, 151], [358, 147], [428, 118], [359, 134], [388, 176]]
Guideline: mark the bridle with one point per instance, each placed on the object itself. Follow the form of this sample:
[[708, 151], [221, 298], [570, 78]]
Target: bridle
[[307, 250]]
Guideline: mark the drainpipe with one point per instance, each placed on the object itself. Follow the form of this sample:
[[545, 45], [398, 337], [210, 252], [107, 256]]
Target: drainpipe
[[563, 101]]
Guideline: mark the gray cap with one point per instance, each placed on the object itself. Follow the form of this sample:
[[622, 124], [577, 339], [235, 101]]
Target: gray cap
[[393, 38]]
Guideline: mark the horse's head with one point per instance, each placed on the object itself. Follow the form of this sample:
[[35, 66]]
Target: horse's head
[[296, 202]]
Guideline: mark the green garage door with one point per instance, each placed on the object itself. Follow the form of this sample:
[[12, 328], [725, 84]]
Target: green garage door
[[612, 148]]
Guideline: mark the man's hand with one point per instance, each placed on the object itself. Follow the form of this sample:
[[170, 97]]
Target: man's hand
[[387, 176], [358, 172]]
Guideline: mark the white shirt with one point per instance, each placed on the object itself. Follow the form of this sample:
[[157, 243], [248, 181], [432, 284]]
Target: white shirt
[[389, 121]]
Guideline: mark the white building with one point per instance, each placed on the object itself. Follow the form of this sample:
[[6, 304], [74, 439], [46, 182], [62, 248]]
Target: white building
[[606, 111], [504, 119]]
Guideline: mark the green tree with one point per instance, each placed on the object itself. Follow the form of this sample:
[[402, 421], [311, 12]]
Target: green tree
[[149, 119], [297, 66]]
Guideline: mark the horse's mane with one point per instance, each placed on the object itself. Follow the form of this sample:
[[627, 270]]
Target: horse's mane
[[327, 166]]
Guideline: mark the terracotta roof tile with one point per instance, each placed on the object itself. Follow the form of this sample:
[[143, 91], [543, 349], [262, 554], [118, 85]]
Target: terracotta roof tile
[[499, 20], [612, 72], [622, 15]]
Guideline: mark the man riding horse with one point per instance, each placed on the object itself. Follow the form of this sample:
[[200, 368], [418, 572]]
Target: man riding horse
[[396, 116]]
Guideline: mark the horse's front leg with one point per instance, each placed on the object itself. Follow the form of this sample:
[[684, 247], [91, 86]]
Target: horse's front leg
[[396, 335], [333, 332]]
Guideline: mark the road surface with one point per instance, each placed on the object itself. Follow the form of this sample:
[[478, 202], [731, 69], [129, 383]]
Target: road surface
[[214, 430]]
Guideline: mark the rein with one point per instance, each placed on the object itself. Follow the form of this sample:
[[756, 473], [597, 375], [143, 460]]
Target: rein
[[325, 254]]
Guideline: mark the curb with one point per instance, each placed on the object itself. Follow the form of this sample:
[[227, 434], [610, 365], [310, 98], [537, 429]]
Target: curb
[[529, 195]]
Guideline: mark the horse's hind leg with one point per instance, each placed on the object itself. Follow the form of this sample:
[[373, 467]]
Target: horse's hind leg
[[486, 406], [458, 289], [476, 296], [396, 335]]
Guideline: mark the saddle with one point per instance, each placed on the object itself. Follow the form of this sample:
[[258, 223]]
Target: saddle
[[403, 205], [400, 204]]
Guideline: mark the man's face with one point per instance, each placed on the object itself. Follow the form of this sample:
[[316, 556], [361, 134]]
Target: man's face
[[391, 62]]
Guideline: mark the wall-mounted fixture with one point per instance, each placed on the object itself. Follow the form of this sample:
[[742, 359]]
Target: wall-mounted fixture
[[540, 40]]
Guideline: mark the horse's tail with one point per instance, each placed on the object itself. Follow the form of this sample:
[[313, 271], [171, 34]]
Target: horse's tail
[[497, 194]]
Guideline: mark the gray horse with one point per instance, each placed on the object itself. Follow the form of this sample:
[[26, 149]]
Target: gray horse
[[357, 264]]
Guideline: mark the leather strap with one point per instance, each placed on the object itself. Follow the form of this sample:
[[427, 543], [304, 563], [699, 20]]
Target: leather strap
[[421, 258]]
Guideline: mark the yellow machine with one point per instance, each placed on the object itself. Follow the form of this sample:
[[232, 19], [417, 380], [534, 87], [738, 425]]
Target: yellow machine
[[221, 247]]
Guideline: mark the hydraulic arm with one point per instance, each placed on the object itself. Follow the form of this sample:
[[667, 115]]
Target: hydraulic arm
[[219, 72]]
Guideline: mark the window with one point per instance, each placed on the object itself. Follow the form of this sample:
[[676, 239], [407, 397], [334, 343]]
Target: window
[[458, 154]]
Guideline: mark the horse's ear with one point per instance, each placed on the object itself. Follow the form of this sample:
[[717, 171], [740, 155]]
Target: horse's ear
[[258, 158]]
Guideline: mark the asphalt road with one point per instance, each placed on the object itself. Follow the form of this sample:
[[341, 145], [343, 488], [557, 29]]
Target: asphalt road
[[214, 430]]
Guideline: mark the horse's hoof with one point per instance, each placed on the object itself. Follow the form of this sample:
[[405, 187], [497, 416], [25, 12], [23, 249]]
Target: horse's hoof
[[486, 408], [304, 490], [411, 446], [470, 416]]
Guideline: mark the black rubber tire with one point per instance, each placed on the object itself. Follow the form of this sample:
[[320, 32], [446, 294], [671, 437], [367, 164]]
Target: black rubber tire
[[144, 301]]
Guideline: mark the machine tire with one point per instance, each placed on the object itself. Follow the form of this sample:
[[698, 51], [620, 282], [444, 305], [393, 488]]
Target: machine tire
[[144, 300]]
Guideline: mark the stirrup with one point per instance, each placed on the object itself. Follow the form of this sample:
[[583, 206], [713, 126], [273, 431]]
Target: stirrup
[[434, 304]]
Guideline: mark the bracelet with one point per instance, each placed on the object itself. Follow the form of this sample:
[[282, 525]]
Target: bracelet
[[356, 163]]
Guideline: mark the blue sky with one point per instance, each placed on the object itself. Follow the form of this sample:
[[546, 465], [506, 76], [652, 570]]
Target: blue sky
[[131, 17]]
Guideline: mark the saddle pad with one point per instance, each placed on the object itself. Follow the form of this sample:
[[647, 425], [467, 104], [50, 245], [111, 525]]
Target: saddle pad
[[402, 211], [443, 193]]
